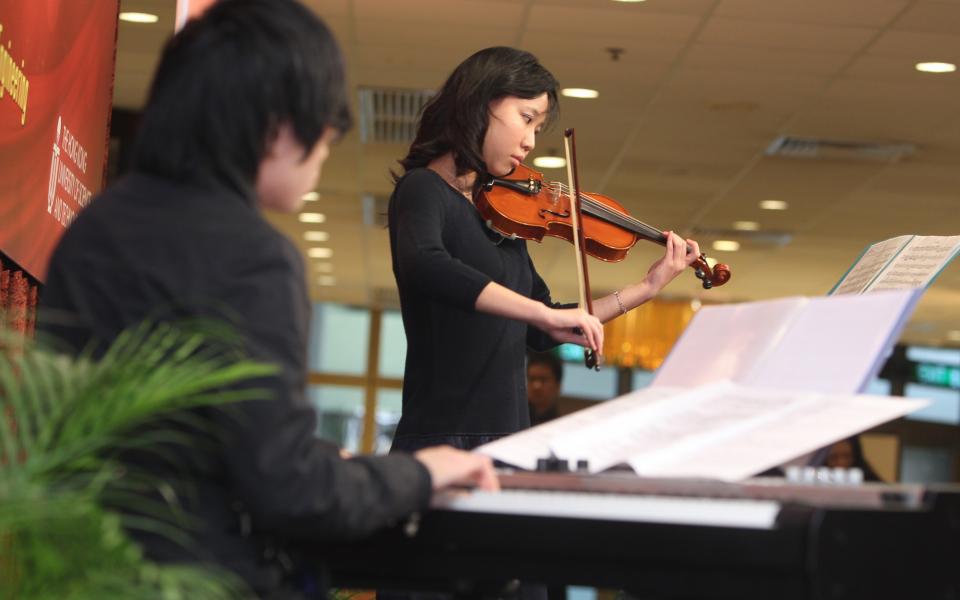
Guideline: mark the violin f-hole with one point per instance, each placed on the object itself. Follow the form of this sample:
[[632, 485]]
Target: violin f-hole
[[546, 211]]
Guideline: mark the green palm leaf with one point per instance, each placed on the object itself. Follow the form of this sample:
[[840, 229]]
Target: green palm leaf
[[62, 422]]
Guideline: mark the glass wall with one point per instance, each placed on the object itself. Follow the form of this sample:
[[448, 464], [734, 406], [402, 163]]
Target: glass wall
[[338, 339], [340, 410]]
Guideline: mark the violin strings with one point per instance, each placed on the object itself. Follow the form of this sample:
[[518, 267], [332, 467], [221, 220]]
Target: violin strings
[[611, 214]]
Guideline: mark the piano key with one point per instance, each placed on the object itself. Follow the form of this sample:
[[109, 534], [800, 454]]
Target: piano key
[[722, 512]]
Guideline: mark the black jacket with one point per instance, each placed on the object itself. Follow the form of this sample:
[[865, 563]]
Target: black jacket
[[150, 248]]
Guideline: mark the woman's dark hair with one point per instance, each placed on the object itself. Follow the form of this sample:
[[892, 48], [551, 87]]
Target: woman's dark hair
[[858, 460], [228, 79], [456, 119]]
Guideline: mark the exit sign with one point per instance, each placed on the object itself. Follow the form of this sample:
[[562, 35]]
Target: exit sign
[[941, 375]]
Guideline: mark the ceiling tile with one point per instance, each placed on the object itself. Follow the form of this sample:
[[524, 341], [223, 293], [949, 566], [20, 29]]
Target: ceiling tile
[[865, 13], [787, 36], [919, 47]]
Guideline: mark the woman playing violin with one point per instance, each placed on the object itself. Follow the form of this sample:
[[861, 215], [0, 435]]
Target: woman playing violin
[[472, 301]]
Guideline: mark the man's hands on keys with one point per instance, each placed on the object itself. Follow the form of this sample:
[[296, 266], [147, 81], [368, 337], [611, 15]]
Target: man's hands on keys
[[450, 467]]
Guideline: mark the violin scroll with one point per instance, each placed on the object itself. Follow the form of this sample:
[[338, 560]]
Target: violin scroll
[[710, 277]]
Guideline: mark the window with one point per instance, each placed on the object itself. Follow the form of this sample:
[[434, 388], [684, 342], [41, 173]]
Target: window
[[580, 382], [641, 379], [393, 344], [340, 411], [388, 415], [944, 406], [338, 339]]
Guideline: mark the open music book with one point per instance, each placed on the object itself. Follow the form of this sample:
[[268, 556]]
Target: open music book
[[720, 431], [908, 261], [833, 344]]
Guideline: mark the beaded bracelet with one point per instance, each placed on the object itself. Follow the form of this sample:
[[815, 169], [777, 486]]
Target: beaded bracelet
[[616, 294]]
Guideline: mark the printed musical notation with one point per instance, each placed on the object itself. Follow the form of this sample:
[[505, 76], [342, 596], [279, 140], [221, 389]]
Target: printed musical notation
[[904, 262]]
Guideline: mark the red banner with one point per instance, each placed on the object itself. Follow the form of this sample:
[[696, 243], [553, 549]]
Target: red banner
[[56, 74]]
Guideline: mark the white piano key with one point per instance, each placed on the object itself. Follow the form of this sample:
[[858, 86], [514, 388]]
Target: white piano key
[[714, 512]]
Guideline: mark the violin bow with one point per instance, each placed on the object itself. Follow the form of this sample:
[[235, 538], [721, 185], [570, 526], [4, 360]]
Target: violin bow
[[579, 244]]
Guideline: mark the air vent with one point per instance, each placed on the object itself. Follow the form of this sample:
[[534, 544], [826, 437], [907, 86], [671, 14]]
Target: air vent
[[389, 116], [799, 147]]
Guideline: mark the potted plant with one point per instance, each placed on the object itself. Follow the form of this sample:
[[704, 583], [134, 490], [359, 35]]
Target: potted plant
[[66, 502]]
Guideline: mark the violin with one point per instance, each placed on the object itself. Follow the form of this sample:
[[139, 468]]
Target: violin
[[523, 205]]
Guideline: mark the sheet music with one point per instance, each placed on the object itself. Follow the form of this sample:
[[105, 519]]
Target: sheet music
[[647, 433], [804, 422], [870, 263], [524, 448], [837, 344], [827, 344], [918, 263], [722, 431], [725, 342]]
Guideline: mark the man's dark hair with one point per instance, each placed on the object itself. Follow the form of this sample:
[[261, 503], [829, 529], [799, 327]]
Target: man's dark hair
[[548, 359], [226, 82], [456, 119]]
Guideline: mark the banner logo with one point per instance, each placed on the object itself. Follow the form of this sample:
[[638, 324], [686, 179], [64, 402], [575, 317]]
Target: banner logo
[[54, 167]]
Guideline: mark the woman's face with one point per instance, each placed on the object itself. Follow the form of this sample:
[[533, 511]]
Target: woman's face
[[512, 131], [840, 455]]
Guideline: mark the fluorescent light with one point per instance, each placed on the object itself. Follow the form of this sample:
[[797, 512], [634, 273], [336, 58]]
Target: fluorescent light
[[629, 1], [550, 162], [316, 236], [138, 17], [579, 93], [312, 218], [936, 67], [746, 225], [773, 205], [726, 245], [318, 252], [311, 197], [327, 280], [324, 267]]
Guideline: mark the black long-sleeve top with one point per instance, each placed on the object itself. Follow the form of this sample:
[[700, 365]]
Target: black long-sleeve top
[[464, 373], [152, 248]]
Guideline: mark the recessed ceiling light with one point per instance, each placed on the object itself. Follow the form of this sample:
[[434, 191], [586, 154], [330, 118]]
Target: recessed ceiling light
[[327, 280], [936, 67], [319, 252], [316, 236], [324, 267], [312, 218], [773, 205], [746, 225], [579, 93], [550, 162], [138, 17], [311, 196], [726, 245]]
